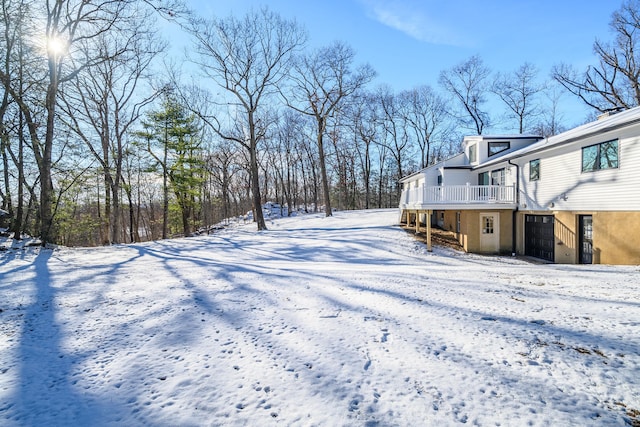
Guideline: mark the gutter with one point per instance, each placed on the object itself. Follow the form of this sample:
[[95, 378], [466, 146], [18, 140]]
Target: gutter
[[514, 213]]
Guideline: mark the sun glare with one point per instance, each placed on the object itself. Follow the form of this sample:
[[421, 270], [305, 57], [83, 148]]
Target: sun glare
[[56, 46]]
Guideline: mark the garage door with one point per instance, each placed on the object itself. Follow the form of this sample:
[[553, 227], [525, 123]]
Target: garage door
[[539, 237]]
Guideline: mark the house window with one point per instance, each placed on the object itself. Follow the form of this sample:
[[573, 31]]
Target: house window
[[497, 177], [439, 180], [600, 156], [534, 170], [483, 178], [458, 222], [496, 147], [487, 225], [473, 153]]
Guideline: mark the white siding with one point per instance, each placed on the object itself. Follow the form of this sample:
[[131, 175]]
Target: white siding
[[459, 177], [431, 176], [563, 185], [457, 160], [509, 172], [516, 142]]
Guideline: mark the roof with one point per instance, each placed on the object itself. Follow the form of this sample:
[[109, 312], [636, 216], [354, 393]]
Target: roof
[[602, 125], [605, 123], [493, 137], [441, 163], [458, 167]]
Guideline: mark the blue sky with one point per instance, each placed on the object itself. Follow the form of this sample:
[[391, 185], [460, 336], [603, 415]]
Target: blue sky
[[409, 42]]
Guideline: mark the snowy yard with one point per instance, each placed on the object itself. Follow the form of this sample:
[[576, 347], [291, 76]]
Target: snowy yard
[[318, 321]]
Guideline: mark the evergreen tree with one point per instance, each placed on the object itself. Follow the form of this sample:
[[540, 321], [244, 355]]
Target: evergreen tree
[[172, 139]]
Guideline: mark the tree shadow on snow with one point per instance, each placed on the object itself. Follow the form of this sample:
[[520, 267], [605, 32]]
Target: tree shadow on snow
[[50, 391]]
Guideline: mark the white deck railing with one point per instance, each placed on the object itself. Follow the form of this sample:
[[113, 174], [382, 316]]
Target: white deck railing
[[458, 194]]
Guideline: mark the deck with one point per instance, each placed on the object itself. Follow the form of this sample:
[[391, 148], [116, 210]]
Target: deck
[[459, 197]]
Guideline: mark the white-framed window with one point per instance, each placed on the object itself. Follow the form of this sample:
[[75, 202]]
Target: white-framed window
[[600, 156], [483, 178], [497, 177], [497, 147], [534, 170], [473, 153], [487, 225]]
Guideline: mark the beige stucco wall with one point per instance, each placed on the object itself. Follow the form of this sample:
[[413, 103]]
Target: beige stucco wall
[[450, 220], [616, 236], [506, 232], [469, 236], [566, 244]]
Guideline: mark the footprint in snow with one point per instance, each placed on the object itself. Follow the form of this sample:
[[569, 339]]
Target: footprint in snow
[[439, 351]]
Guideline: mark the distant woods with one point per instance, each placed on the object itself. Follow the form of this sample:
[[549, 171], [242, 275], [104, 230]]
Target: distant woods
[[104, 140]]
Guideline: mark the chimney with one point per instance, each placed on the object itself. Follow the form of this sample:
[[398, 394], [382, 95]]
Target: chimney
[[610, 112]]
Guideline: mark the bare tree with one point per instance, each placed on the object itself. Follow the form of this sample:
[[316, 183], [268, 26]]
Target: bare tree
[[365, 116], [284, 158], [222, 165], [468, 83], [322, 81], [309, 168], [68, 26], [20, 82], [614, 82], [425, 115], [383, 161], [103, 103], [550, 121], [395, 137], [248, 58], [11, 17], [518, 91]]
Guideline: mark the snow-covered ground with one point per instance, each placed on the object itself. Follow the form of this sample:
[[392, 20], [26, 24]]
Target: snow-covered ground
[[319, 321]]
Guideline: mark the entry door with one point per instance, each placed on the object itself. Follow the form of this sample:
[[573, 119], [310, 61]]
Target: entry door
[[490, 232], [586, 239]]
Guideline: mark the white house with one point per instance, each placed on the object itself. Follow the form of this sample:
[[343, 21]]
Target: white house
[[570, 198]]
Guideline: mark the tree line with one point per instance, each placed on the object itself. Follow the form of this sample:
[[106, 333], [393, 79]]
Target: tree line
[[103, 140]]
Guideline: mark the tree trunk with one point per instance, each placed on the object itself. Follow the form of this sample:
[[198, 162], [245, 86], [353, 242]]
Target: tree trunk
[[106, 224], [186, 217], [165, 187], [47, 233], [323, 169], [116, 221], [255, 175], [17, 225], [255, 190]]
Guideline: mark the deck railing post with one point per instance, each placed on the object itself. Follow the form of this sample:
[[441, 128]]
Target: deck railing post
[[429, 248]]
